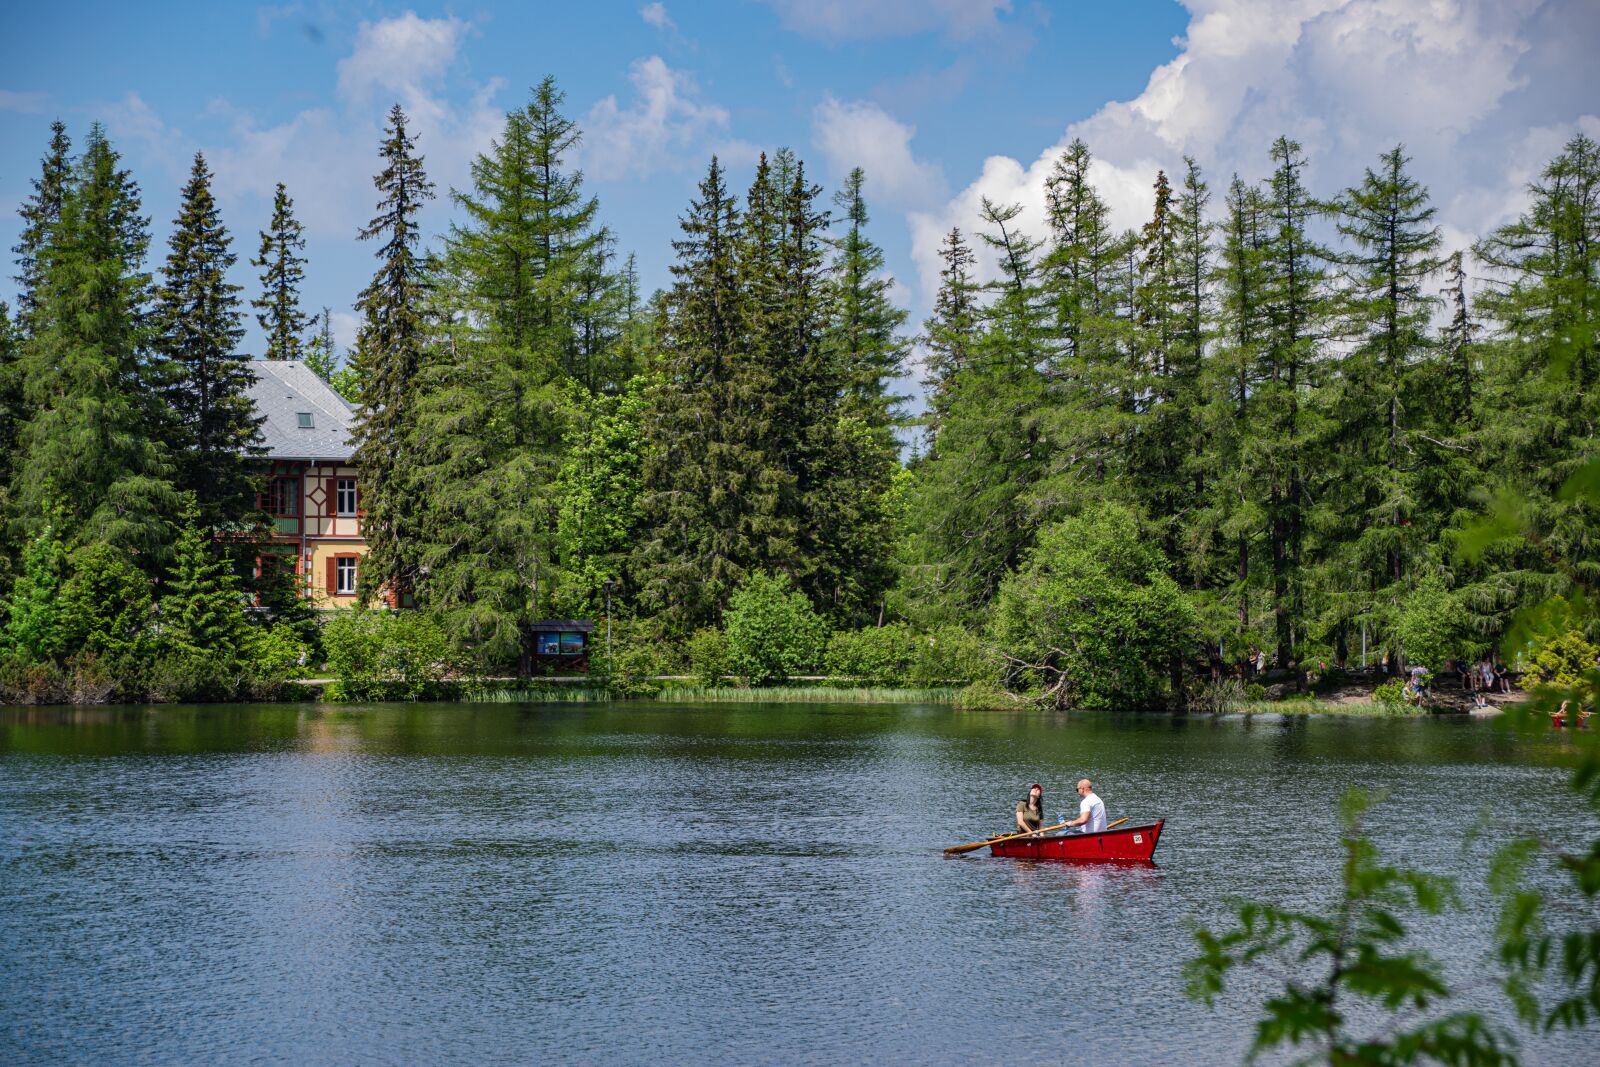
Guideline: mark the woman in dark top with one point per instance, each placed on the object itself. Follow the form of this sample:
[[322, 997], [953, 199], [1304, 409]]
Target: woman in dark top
[[1030, 812]]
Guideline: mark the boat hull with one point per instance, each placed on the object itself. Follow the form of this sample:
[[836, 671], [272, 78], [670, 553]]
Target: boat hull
[[1125, 844]]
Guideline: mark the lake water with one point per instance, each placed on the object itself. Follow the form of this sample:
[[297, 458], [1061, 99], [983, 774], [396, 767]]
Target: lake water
[[645, 884]]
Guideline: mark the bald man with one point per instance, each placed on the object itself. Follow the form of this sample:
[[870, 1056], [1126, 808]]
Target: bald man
[[1091, 810]]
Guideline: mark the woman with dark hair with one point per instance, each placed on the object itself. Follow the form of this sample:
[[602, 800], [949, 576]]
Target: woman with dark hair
[[1030, 812]]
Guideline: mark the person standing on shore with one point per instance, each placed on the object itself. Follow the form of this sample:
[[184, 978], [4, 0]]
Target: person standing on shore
[[1091, 810]]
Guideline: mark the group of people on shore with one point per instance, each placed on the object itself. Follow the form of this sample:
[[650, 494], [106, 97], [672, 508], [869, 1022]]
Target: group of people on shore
[[1091, 810]]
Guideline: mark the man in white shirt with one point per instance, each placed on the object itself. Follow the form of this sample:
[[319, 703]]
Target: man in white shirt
[[1091, 810]]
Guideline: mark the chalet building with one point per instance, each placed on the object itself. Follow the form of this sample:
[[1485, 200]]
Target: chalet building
[[314, 495]]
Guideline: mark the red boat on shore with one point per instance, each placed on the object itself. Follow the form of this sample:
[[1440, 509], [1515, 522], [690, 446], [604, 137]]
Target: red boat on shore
[[1125, 844]]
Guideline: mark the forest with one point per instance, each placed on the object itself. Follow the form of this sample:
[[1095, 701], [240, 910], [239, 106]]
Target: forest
[[1272, 419]]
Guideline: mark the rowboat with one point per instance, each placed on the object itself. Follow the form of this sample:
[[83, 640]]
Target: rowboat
[[1125, 844]]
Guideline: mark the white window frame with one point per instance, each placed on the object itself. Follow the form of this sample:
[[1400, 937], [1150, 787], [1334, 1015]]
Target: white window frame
[[341, 487], [345, 575]]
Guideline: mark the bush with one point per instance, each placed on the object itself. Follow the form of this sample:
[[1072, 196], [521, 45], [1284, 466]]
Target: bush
[[379, 655], [879, 655], [955, 654], [1091, 618], [1255, 691], [772, 631], [1219, 698], [1563, 660], [987, 696], [1391, 694], [708, 656]]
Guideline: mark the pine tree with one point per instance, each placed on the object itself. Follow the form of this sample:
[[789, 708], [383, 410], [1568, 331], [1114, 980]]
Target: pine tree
[[91, 445], [865, 330], [389, 353], [1375, 511], [197, 316], [40, 214], [283, 267]]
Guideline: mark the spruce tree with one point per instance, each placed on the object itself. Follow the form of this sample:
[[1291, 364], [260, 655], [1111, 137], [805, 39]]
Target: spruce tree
[[197, 316], [707, 495], [202, 606], [1458, 380], [40, 214], [865, 329], [950, 333], [282, 263], [389, 354], [321, 354], [92, 442]]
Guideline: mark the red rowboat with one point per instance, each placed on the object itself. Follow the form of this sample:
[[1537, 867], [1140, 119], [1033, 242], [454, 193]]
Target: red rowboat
[[1125, 844]]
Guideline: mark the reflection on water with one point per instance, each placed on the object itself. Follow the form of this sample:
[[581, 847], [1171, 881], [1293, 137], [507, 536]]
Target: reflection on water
[[650, 884]]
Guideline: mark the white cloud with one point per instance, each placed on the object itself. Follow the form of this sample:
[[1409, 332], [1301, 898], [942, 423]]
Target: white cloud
[[656, 15], [661, 129], [399, 56], [861, 134], [1348, 79], [842, 20], [26, 103]]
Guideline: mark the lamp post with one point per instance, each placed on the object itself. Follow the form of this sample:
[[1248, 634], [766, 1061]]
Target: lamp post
[[607, 584]]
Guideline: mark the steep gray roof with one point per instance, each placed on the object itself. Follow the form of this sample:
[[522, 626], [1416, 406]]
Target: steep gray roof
[[283, 389]]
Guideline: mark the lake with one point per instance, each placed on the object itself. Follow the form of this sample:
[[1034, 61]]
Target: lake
[[648, 883]]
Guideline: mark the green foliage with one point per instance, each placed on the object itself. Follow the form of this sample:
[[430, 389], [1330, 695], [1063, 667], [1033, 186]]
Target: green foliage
[[709, 661], [1564, 660], [879, 655], [1355, 951], [1431, 625], [106, 608], [202, 609], [598, 486], [1090, 619], [282, 263], [772, 631], [378, 655], [33, 630], [1391, 694]]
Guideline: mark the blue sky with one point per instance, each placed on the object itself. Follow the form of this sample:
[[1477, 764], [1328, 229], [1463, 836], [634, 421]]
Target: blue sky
[[942, 101]]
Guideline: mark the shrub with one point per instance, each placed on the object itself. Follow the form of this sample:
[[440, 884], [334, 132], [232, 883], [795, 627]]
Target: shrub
[[1219, 698], [772, 631], [1563, 660], [1391, 694], [954, 654], [879, 655], [1091, 618], [379, 655], [708, 656], [987, 696]]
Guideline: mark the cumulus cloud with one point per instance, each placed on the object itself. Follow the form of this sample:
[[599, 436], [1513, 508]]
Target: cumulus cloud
[[844, 20], [1450, 79], [661, 129], [861, 134]]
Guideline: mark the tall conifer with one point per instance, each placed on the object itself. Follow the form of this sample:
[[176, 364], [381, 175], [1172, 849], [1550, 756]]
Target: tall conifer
[[282, 262], [865, 330], [389, 353], [40, 214], [197, 317], [92, 443]]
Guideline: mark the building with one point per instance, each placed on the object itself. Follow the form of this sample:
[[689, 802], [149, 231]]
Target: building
[[314, 495]]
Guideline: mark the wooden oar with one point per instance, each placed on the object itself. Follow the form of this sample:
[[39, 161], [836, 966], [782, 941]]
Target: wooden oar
[[959, 850]]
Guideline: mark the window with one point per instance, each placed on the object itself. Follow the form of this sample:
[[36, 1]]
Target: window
[[345, 497], [305, 420], [283, 497], [563, 644], [345, 575]]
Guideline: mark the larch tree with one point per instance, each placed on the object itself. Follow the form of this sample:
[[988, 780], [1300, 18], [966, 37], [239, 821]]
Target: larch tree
[[389, 353], [91, 450], [282, 262], [1375, 518], [215, 432]]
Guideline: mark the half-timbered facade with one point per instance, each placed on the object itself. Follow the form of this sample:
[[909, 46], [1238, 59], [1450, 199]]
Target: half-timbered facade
[[314, 492]]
